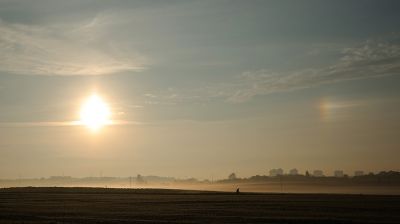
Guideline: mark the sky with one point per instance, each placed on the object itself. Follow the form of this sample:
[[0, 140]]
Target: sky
[[199, 88]]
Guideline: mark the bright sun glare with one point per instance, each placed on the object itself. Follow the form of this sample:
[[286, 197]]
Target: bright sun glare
[[95, 113]]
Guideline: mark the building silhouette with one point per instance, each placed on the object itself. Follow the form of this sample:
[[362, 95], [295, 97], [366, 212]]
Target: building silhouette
[[338, 173], [358, 173], [294, 172], [276, 172], [318, 173], [232, 176]]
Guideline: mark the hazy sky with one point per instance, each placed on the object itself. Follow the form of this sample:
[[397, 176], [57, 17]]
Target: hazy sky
[[203, 88]]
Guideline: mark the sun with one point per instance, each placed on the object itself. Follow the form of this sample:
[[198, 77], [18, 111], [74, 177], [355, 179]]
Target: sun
[[95, 113]]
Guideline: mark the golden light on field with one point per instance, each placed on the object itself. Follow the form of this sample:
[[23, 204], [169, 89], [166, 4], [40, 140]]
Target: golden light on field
[[95, 113]]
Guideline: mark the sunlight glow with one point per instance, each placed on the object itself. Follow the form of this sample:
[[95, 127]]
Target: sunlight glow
[[95, 113]]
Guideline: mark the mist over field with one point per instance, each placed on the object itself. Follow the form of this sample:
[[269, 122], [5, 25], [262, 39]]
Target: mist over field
[[382, 183]]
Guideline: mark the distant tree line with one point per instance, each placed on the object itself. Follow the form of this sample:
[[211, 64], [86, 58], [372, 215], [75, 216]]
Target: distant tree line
[[277, 175]]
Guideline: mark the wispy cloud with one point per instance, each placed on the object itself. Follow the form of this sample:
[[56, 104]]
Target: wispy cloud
[[62, 50], [60, 124], [38, 124], [370, 59], [373, 58]]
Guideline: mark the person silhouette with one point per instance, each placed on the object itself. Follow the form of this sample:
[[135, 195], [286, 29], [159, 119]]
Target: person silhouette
[[237, 191]]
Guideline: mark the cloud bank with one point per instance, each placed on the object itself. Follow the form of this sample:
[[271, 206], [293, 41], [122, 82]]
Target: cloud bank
[[61, 50]]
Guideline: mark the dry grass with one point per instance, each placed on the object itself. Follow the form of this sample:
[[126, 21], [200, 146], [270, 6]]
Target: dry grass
[[100, 205]]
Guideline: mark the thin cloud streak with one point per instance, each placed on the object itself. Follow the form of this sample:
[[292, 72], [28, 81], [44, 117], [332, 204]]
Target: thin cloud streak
[[38, 124], [371, 59], [59, 50], [61, 124]]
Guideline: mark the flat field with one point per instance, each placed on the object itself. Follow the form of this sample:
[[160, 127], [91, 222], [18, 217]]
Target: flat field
[[101, 205]]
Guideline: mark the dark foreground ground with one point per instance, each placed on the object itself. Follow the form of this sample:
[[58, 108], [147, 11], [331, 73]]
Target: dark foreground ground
[[99, 205]]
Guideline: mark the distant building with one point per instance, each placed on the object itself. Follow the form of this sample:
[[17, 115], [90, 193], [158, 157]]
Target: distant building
[[358, 173], [140, 179], [338, 173], [294, 172], [232, 176], [276, 172], [318, 173]]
